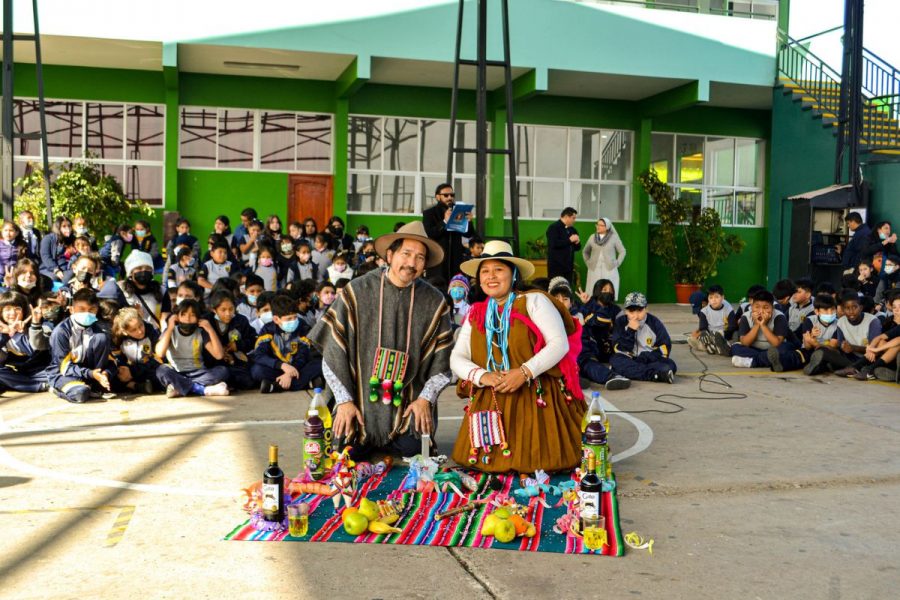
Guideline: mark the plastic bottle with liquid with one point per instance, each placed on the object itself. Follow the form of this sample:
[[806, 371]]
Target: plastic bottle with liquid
[[595, 447], [314, 445], [319, 402], [595, 408]]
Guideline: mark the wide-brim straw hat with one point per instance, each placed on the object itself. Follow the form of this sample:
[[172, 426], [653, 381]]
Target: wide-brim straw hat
[[498, 250], [413, 230]]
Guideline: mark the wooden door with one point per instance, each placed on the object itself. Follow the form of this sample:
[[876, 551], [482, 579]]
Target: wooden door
[[310, 196]]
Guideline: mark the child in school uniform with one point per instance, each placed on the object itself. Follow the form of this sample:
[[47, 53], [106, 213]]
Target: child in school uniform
[[280, 360], [184, 268], [866, 279], [134, 342], [322, 254], [458, 290], [266, 268], [236, 336], [855, 330], [882, 352], [340, 268], [114, 248], [249, 245], [326, 293], [217, 267], [818, 330], [79, 351], [759, 329], [714, 325], [24, 346], [600, 312], [801, 305], [247, 306], [263, 311], [642, 344], [182, 344], [783, 291]]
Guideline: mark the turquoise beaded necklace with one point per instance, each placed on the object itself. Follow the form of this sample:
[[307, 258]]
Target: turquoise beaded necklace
[[496, 323]]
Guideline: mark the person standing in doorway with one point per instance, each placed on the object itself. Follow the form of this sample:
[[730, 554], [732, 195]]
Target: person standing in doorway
[[603, 253], [562, 242], [435, 220], [859, 238]]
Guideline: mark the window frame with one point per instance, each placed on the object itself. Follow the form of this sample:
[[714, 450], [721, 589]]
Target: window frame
[[124, 162], [257, 140], [419, 199], [706, 186], [567, 181]]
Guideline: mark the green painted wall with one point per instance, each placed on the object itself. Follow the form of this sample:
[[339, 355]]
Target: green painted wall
[[256, 92], [885, 199], [801, 160], [206, 194]]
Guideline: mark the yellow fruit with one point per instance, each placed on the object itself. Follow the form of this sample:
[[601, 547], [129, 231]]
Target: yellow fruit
[[520, 524], [348, 511], [389, 519], [490, 521], [531, 530], [501, 513], [379, 527], [504, 531], [369, 509]]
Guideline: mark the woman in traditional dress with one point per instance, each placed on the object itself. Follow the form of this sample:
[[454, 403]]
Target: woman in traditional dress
[[603, 254], [512, 358]]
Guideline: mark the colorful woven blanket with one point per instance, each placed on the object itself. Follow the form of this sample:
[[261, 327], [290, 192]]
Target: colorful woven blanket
[[420, 528]]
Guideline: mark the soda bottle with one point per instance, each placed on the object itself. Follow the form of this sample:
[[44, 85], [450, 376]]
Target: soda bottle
[[314, 445], [595, 446], [595, 408], [320, 403]]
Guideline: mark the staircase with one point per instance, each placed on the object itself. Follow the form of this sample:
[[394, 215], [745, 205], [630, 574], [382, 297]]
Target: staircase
[[816, 86]]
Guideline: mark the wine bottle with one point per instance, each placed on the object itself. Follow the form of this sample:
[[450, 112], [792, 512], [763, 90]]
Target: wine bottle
[[273, 489], [589, 493]]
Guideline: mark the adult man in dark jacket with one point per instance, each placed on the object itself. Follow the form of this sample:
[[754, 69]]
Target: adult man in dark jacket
[[854, 250], [435, 220], [562, 243]]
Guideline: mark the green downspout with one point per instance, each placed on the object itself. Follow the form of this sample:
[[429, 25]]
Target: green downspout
[[170, 77], [638, 252], [497, 223]]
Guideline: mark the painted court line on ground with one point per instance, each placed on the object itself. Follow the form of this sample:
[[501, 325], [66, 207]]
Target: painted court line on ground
[[645, 438]]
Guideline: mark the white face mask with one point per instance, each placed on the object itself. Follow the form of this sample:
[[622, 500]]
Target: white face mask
[[890, 269], [25, 283]]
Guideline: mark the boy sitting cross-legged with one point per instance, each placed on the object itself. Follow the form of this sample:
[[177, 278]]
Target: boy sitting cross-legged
[[818, 330], [761, 328]]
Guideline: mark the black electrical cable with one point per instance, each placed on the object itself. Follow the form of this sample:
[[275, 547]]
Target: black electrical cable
[[705, 378]]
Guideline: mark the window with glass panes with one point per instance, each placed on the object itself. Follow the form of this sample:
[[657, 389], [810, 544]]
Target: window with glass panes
[[588, 169], [256, 140], [126, 141], [395, 163], [724, 173]]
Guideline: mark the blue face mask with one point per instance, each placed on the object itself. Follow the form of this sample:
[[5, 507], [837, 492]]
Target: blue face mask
[[457, 293], [290, 326], [265, 318], [882, 236], [828, 319], [251, 299], [84, 319]]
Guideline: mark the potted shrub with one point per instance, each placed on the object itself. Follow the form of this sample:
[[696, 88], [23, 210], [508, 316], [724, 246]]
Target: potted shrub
[[537, 254], [690, 241]]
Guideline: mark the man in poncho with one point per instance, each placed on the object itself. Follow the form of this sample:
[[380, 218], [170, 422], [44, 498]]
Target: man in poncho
[[385, 345]]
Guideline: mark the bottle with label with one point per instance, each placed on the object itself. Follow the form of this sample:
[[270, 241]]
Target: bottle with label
[[589, 494], [314, 445], [595, 408], [273, 489], [595, 446], [320, 403]]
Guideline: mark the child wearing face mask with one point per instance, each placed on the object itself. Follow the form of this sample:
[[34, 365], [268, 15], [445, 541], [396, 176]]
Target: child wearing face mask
[[145, 241], [280, 360], [85, 275], [31, 236], [325, 296], [459, 294], [247, 306], [818, 330], [340, 268], [12, 248], [80, 229], [182, 344], [79, 366], [184, 268], [302, 267], [890, 277], [24, 346], [263, 311], [284, 259], [236, 336], [600, 312], [134, 342], [112, 251], [140, 289], [266, 269]]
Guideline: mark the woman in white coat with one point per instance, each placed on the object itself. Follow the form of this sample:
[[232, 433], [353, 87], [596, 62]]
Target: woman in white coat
[[603, 253]]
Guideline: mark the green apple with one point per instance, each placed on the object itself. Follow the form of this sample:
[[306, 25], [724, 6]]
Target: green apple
[[490, 522], [504, 531], [355, 523]]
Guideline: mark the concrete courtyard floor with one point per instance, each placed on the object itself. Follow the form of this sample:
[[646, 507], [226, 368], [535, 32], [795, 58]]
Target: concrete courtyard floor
[[790, 492]]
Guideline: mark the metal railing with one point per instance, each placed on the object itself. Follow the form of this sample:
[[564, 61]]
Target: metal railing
[[758, 9], [819, 81]]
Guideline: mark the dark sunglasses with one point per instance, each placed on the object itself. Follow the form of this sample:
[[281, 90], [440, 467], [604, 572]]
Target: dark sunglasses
[[450, 195]]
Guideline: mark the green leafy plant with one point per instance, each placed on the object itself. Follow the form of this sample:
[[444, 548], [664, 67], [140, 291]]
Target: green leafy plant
[[537, 248], [690, 241], [80, 189]]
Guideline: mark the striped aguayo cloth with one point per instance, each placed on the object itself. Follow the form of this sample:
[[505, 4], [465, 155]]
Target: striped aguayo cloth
[[420, 528]]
